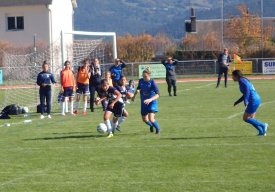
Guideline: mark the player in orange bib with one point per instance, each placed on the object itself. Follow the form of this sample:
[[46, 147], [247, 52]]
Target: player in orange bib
[[67, 86], [83, 76]]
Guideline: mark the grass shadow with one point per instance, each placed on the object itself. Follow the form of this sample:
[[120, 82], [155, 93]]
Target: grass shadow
[[210, 137], [67, 137]]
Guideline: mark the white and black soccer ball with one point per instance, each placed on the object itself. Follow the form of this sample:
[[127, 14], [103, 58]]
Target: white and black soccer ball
[[101, 128]]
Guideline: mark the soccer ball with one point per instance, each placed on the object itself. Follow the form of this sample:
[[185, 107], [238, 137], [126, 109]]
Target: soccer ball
[[101, 128]]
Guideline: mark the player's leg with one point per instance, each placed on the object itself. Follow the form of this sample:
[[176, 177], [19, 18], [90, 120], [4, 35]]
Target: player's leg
[[48, 101], [86, 92], [42, 102], [122, 119], [174, 84], [249, 117], [145, 119], [92, 97], [169, 84], [78, 96], [106, 118], [219, 77], [154, 122], [225, 76]]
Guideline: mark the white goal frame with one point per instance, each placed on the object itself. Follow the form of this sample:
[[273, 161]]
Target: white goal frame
[[97, 34]]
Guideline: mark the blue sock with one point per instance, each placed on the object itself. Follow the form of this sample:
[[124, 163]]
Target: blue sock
[[257, 124], [149, 123], [156, 125]]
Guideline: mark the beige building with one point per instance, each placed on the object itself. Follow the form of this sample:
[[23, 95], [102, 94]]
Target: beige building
[[20, 20]]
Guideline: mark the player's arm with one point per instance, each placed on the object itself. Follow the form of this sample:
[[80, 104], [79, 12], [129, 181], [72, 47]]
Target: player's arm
[[123, 64], [163, 62], [136, 92], [175, 62], [245, 86], [62, 88], [239, 101], [52, 79], [38, 81], [156, 96]]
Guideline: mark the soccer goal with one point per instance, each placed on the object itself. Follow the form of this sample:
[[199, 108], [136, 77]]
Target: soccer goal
[[20, 70]]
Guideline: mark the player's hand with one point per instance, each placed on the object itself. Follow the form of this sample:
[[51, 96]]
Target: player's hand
[[62, 89], [147, 101], [235, 104], [111, 105]]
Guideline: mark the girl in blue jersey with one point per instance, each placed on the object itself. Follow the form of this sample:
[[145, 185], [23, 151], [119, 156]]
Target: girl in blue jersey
[[251, 100], [149, 93], [116, 70], [115, 105]]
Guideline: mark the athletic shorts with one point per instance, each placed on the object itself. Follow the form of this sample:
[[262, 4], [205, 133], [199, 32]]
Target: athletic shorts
[[253, 106], [117, 109], [151, 108], [68, 92], [83, 89]]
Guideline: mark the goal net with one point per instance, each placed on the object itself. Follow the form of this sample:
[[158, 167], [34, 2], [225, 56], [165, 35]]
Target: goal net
[[20, 70]]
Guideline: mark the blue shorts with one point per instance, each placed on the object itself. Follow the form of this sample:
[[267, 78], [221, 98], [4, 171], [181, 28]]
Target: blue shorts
[[83, 89], [117, 109], [151, 108], [253, 106], [68, 92]]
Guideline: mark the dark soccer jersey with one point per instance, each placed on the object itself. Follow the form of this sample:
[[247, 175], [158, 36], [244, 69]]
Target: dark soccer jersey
[[45, 78], [110, 94], [147, 89], [123, 91]]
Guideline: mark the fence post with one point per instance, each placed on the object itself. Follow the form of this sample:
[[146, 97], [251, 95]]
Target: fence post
[[132, 65], [215, 64]]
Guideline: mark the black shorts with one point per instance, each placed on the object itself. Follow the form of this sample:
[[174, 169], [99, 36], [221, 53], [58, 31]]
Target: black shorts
[[117, 109], [68, 92]]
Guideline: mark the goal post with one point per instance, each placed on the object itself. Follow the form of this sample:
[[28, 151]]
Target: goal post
[[86, 33]]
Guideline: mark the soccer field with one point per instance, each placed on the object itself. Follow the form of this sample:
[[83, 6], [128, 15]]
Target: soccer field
[[204, 146]]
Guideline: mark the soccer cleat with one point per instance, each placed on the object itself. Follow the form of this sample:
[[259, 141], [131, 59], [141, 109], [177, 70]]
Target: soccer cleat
[[92, 110], [110, 135], [118, 128], [157, 131], [42, 116], [75, 112], [49, 116], [84, 113], [151, 129], [170, 94], [175, 94], [63, 114]]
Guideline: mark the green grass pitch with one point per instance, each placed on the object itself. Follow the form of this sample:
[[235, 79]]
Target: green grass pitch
[[204, 146]]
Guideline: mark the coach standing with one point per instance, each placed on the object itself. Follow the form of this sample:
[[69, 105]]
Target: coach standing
[[170, 66], [224, 61], [44, 80]]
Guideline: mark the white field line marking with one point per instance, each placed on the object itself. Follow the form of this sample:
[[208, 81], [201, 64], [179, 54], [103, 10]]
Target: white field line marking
[[237, 114], [207, 85], [141, 147]]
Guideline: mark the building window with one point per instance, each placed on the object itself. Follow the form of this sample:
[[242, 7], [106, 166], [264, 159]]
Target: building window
[[15, 23]]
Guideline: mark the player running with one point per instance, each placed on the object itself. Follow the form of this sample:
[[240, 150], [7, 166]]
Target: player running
[[82, 77], [149, 93], [116, 70], [44, 80], [115, 105], [251, 100], [67, 86], [171, 79], [126, 94]]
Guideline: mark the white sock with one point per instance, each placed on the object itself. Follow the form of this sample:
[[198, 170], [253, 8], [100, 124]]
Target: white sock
[[109, 127], [85, 106], [63, 107], [72, 107], [76, 105], [121, 119], [66, 104], [114, 125]]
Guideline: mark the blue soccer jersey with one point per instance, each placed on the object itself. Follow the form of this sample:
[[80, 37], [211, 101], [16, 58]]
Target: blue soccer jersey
[[250, 96], [148, 89], [116, 71]]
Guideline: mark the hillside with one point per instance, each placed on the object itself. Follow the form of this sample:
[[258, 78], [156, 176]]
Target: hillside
[[136, 16]]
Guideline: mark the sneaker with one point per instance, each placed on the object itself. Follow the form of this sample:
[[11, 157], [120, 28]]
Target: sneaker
[[75, 112], [63, 114], [49, 116], [118, 128], [84, 113], [110, 135], [42, 116], [151, 129], [175, 94]]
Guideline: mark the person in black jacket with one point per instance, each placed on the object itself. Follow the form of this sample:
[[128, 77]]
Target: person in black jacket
[[224, 61], [170, 66], [44, 80], [95, 81]]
